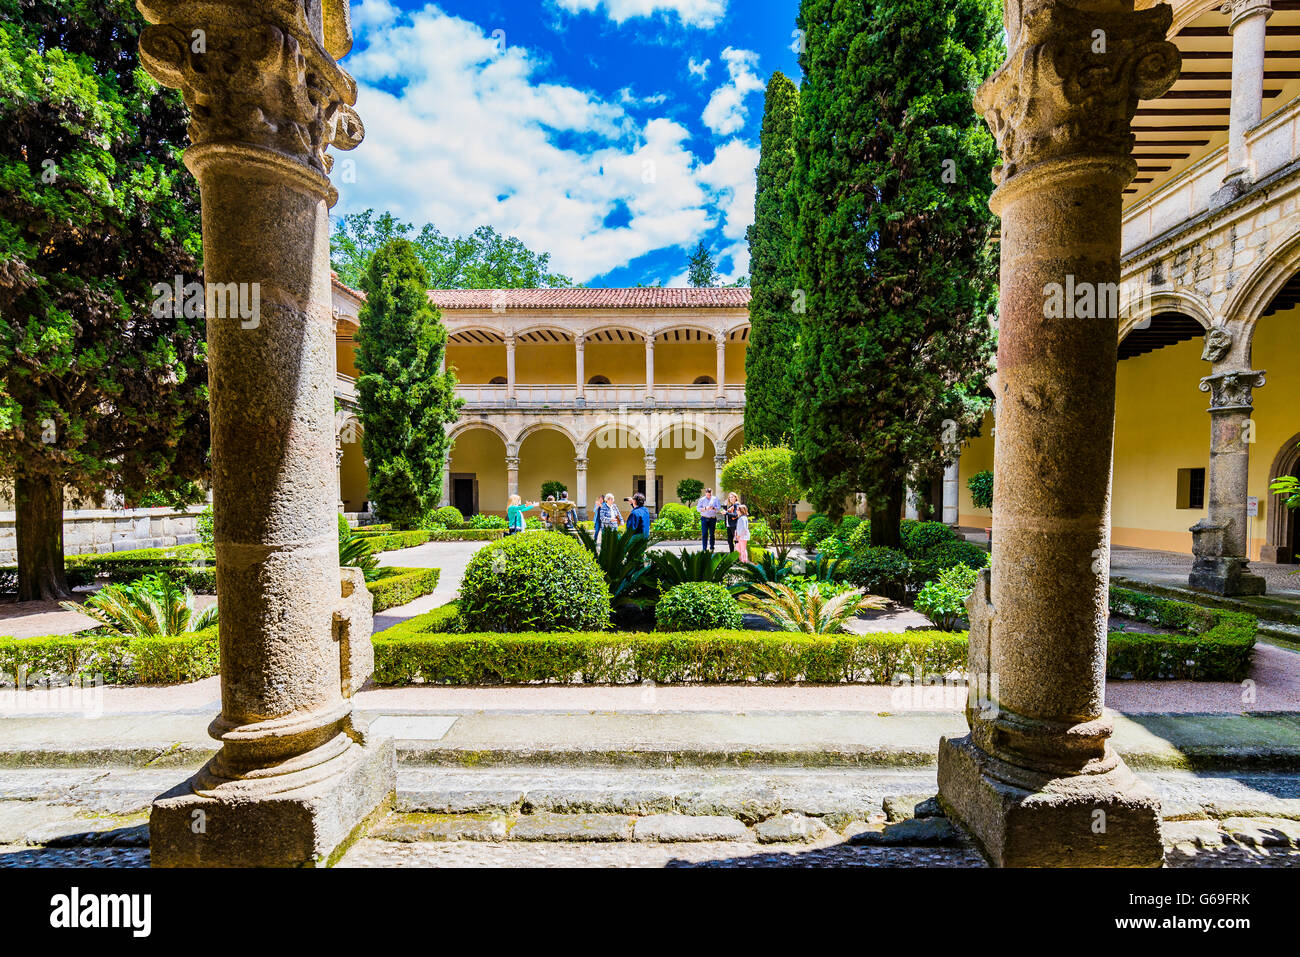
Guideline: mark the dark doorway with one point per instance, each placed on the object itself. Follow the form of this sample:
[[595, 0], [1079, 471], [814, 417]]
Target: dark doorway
[[659, 489], [464, 494]]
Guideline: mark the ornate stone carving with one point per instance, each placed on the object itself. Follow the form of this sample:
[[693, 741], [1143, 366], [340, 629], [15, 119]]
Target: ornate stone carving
[[1238, 10], [1218, 343], [1072, 82], [1232, 391], [254, 74]]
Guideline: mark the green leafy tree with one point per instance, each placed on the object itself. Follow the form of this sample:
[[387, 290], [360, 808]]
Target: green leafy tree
[[703, 271], [689, 491], [773, 316], [764, 477], [102, 385], [403, 398], [482, 260], [892, 238]]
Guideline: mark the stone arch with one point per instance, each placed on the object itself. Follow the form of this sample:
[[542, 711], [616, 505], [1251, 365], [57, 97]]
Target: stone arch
[[1279, 540], [1146, 308], [733, 434], [634, 334], [588, 440], [468, 425], [533, 428], [699, 427], [711, 332], [1254, 295], [494, 335]]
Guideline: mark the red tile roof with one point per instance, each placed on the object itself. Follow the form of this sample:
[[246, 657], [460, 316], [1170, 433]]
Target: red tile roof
[[728, 297], [650, 298]]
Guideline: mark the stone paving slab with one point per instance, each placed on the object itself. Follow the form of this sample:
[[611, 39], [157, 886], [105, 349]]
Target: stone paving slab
[[666, 828], [572, 827]]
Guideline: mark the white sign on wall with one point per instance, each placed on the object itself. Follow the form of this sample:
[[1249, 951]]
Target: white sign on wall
[[1252, 506]]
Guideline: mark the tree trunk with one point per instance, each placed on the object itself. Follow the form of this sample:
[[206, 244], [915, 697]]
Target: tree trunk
[[39, 526], [885, 519]]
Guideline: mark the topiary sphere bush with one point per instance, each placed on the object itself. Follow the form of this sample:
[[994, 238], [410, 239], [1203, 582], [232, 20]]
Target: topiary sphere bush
[[680, 517], [881, 571], [818, 528], [920, 537], [449, 516], [538, 581], [698, 606]]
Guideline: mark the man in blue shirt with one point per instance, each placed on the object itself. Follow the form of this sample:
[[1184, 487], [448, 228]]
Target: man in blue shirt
[[709, 507], [638, 522]]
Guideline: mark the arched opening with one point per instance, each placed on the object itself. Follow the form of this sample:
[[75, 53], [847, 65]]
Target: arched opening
[[477, 356], [354, 479], [615, 463], [684, 356], [735, 442], [1280, 544], [1162, 435], [599, 380], [705, 380], [546, 455], [545, 357], [478, 472], [498, 380], [616, 355], [683, 452]]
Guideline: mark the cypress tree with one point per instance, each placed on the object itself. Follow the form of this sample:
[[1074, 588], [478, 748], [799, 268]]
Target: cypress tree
[[773, 310], [404, 399], [892, 241]]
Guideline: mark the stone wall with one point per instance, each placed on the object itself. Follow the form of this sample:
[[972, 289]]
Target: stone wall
[[112, 530]]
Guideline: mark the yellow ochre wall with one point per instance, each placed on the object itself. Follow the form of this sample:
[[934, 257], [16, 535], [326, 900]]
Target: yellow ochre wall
[[1161, 426], [482, 453]]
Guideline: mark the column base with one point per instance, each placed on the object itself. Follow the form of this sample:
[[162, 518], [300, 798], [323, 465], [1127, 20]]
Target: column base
[[1234, 185], [1225, 576], [251, 823], [1109, 819]]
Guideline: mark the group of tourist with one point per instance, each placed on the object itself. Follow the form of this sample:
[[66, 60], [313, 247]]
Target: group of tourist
[[735, 516], [607, 517]]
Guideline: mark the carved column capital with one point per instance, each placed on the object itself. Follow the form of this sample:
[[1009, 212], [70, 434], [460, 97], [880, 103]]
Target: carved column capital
[[1232, 391], [580, 463], [512, 463], [1238, 10], [1071, 84], [256, 75]]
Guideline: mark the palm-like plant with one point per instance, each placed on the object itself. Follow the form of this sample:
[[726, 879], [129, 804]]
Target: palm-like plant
[[769, 570], [355, 552], [808, 612], [153, 607], [686, 566], [622, 557]]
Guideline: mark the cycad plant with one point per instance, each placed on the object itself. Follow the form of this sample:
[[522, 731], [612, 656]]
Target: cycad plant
[[686, 566], [622, 557], [769, 570], [153, 607], [355, 552], [808, 612]]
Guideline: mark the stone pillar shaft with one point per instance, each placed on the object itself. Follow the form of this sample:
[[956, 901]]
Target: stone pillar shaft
[[719, 463], [1036, 773], [512, 474], [445, 499], [579, 349], [650, 367], [293, 777], [952, 492], [510, 368], [650, 502], [580, 471], [722, 365], [1248, 29], [1220, 539]]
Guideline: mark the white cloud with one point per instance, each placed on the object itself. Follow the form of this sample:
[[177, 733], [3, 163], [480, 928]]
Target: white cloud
[[693, 13], [726, 111], [699, 70], [461, 132]]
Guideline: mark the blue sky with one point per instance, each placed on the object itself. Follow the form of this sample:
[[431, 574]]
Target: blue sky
[[614, 134]]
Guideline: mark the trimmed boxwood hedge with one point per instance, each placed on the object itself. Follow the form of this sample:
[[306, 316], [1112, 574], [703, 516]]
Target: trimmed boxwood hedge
[[1216, 646], [395, 541], [716, 657], [117, 660], [399, 586]]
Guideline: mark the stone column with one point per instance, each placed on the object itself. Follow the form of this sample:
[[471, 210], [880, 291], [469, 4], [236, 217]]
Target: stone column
[[721, 339], [512, 474], [719, 463], [912, 510], [338, 460], [1219, 539], [445, 499], [510, 369], [1036, 782], [650, 367], [295, 778], [952, 492], [650, 483], [580, 470], [579, 343], [1247, 27]]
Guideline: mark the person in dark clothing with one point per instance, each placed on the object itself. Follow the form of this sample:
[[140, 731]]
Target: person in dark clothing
[[639, 521], [731, 511]]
